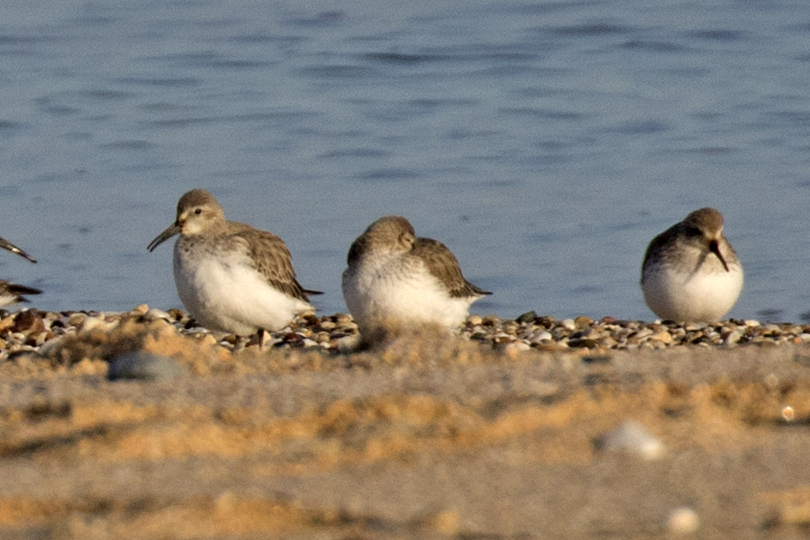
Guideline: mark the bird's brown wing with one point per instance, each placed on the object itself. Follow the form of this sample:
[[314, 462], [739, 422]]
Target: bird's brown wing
[[272, 259], [443, 265]]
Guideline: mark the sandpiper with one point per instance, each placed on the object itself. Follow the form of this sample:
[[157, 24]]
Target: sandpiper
[[395, 279], [690, 272], [12, 293], [231, 277]]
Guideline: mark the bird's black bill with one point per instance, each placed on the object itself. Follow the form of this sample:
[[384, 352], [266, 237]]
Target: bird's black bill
[[22, 289], [5, 244], [165, 235], [714, 247], [307, 291]]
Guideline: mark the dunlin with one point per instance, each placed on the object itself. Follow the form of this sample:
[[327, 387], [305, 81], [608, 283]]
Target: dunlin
[[690, 272], [11, 293], [395, 279], [230, 276]]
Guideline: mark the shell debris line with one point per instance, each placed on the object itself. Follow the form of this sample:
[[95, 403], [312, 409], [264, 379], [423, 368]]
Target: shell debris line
[[54, 333]]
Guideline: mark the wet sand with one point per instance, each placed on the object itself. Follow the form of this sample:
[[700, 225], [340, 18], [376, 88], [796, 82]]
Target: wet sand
[[428, 437]]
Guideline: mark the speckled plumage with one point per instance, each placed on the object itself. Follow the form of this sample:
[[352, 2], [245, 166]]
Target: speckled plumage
[[397, 279], [690, 271], [230, 276]]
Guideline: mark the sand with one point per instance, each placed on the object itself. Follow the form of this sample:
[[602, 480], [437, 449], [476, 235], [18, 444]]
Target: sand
[[428, 437]]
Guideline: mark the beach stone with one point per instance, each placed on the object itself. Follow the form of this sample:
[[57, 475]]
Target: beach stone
[[608, 342], [348, 327], [733, 337], [770, 330], [155, 314], [583, 343], [96, 323], [541, 335], [6, 322], [683, 521], [546, 322], [50, 346], [327, 325], [527, 317], [145, 366], [27, 322], [343, 319], [569, 324], [509, 327], [140, 309], [643, 332], [583, 322], [631, 437], [76, 319], [349, 344]]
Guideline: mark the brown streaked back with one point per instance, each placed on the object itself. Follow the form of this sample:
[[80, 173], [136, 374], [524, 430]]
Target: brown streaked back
[[442, 264], [271, 258]]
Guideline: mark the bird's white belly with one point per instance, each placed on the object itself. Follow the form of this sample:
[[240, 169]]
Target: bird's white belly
[[227, 295], [8, 299], [696, 297], [380, 297]]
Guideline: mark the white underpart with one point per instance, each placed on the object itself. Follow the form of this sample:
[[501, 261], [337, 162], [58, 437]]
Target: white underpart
[[8, 299], [225, 294], [703, 296], [382, 293]]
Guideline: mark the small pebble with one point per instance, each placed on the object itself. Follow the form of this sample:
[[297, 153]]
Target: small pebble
[[526, 318], [683, 521], [145, 366], [93, 323], [155, 313], [632, 437], [569, 324], [733, 338], [349, 344], [541, 336]]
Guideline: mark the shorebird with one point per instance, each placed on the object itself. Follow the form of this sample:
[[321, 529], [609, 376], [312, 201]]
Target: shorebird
[[690, 271], [231, 277], [12, 293], [395, 279]]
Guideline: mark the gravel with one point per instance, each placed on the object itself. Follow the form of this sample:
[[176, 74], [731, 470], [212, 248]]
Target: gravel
[[32, 330]]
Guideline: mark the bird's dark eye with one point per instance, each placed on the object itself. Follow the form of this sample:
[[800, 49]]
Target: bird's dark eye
[[198, 211]]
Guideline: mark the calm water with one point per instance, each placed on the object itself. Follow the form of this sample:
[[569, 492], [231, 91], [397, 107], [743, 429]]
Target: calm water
[[544, 142]]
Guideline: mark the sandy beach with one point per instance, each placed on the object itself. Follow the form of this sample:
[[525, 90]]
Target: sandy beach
[[430, 436]]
